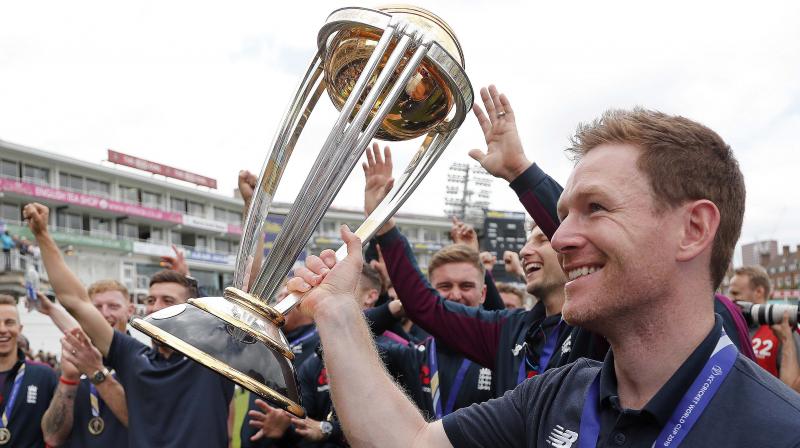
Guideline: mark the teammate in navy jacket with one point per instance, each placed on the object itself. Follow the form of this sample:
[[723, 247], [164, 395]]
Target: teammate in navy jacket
[[25, 388]]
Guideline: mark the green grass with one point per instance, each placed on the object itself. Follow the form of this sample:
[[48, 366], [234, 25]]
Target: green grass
[[240, 400]]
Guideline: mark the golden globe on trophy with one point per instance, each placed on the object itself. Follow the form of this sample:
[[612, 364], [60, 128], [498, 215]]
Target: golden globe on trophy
[[396, 73]]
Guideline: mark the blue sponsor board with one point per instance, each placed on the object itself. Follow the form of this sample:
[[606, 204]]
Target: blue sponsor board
[[272, 229], [209, 257]]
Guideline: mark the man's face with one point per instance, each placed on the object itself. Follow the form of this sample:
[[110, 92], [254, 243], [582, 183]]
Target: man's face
[[460, 282], [543, 273], [10, 328], [165, 294], [617, 251], [741, 290], [511, 300], [115, 308]]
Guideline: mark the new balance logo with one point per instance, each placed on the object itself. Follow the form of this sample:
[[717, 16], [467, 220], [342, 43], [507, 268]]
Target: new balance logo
[[32, 392], [567, 345], [484, 379], [562, 438]]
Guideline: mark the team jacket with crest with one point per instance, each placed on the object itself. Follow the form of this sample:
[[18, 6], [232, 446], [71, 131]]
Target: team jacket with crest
[[33, 397]]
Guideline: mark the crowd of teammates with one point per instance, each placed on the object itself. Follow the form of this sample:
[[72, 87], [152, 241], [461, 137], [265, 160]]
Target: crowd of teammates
[[616, 328]]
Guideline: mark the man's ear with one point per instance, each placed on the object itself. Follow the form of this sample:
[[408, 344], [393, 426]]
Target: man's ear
[[760, 291], [700, 223], [483, 293], [372, 298]]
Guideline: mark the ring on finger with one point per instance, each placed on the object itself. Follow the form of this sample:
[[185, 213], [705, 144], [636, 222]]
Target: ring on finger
[[74, 352], [501, 114]]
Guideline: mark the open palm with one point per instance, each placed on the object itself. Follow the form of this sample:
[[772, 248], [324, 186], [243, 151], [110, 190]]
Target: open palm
[[377, 176], [504, 156]]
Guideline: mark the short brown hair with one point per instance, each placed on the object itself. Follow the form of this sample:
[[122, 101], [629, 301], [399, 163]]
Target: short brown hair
[[108, 285], [758, 277], [169, 276], [455, 253], [6, 299], [684, 161], [509, 288], [370, 279]]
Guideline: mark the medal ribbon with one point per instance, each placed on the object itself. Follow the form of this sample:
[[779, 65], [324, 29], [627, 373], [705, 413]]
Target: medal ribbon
[[457, 382], [94, 400], [549, 346], [12, 397], [294, 343], [689, 409], [547, 352]]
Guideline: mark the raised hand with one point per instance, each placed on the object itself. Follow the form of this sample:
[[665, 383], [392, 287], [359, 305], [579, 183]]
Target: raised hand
[[176, 263], [504, 156], [42, 304], [377, 176], [513, 264], [247, 185], [271, 422], [488, 260], [37, 216], [463, 233], [380, 266], [330, 280]]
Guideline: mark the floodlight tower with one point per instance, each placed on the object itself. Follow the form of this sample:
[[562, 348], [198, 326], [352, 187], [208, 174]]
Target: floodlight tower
[[468, 192]]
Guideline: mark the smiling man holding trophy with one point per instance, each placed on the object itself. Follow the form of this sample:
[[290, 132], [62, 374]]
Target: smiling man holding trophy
[[394, 74]]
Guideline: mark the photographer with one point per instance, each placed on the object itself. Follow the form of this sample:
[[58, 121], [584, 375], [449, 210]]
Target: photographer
[[751, 284]]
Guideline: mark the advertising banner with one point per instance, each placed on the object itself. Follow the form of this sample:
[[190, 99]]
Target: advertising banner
[[157, 168], [87, 200]]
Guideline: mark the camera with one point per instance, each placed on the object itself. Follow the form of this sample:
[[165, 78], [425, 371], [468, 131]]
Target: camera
[[769, 313]]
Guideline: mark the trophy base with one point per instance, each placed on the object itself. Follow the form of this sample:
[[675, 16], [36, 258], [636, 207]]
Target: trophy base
[[227, 350]]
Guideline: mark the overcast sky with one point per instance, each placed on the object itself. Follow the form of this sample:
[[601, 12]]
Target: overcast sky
[[202, 86]]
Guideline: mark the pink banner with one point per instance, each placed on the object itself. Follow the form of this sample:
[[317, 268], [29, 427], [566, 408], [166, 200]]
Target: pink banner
[[785, 293], [157, 168], [86, 200], [234, 229]]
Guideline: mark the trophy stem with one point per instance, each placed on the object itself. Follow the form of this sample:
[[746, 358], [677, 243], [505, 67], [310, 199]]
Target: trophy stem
[[273, 168], [424, 159]]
